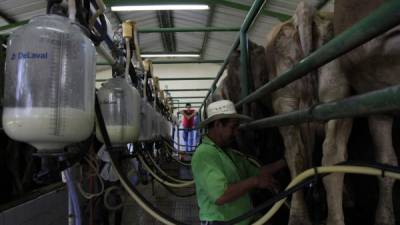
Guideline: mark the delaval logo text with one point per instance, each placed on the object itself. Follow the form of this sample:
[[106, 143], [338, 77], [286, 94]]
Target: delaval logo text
[[29, 55]]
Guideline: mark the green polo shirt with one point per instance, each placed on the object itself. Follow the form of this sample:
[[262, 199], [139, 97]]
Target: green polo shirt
[[213, 170]]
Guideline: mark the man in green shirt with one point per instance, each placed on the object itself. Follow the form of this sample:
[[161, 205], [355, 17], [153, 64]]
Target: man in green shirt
[[223, 177]]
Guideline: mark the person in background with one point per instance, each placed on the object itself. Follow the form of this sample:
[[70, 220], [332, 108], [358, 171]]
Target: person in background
[[187, 123], [224, 178]]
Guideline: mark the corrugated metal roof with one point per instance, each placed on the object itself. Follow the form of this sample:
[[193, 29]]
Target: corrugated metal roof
[[218, 43]]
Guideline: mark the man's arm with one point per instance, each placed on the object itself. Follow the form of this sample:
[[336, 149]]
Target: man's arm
[[274, 167], [192, 115], [236, 190]]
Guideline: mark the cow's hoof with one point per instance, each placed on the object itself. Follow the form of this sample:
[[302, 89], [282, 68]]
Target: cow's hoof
[[383, 223], [335, 222], [297, 220]]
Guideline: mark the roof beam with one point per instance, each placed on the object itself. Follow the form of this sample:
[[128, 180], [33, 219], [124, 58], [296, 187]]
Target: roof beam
[[165, 20]]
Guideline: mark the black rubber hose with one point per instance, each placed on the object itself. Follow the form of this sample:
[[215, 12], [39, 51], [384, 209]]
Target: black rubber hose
[[304, 183]]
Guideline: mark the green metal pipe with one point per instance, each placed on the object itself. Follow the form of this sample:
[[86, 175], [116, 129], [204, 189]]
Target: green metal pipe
[[13, 25], [188, 29], [255, 8], [188, 61], [382, 19], [186, 78], [244, 59], [191, 89], [385, 100], [265, 12]]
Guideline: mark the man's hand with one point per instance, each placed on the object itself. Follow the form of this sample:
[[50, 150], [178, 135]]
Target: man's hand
[[265, 179]]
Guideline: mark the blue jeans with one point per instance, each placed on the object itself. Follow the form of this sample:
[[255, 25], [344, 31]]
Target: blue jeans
[[188, 138]]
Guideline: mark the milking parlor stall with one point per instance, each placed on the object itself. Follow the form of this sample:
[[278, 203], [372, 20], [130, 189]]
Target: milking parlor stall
[[103, 101]]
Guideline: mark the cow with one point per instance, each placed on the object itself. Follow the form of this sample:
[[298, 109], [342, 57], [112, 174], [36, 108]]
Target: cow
[[374, 65], [287, 44]]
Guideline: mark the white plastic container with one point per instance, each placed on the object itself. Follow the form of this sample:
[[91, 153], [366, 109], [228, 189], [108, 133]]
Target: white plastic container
[[49, 84], [120, 106]]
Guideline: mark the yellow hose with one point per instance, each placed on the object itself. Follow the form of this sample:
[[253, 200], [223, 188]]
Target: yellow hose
[[328, 169], [165, 174], [175, 185], [138, 200]]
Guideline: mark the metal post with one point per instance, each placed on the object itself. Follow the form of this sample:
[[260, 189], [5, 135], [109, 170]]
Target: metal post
[[244, 59], [382, 19], [253, 12], [385, 100]]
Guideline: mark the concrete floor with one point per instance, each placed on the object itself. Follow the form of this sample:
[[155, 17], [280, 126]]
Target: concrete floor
[[181, 208]]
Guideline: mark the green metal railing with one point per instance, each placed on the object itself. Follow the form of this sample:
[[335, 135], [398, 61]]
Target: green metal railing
[[385, 100], [382, 19], [379, 21], [251, 15]]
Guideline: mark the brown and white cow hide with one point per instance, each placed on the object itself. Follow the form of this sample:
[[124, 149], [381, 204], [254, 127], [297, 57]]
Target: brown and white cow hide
[[374, 65], [287, 44]]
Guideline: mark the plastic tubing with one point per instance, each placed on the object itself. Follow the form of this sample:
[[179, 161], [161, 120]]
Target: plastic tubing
[[98, 12], [71, 10], [141, 201], [176, 160], [175, 185], [137, 49], [328, 169], [73, 196], [128, 57], [166, 174]]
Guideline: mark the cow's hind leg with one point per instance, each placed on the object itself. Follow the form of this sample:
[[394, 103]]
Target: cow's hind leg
[[296, 158], [334, 151], [381, 131], [333, 86]]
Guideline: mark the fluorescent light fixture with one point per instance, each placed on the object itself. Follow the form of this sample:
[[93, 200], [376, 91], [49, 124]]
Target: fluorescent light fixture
[[169, 55], [160, 7]]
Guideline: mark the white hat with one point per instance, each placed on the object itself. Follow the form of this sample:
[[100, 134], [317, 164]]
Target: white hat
[[220, 110]]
